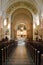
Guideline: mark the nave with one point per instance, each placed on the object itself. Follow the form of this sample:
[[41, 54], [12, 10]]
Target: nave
[[20, 55], [21, 20], [21, 52]]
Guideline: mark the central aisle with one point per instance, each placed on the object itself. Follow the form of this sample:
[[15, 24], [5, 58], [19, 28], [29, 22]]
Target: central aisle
[[20, 56]]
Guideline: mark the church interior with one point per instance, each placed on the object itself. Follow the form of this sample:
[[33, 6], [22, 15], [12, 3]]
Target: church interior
[[21, 32]]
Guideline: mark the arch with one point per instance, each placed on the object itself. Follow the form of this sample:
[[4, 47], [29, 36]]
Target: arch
[[21, 25], [26, 4], [21, 12], [19, 16]]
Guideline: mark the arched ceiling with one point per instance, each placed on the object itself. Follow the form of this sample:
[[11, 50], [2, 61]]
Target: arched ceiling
[[22, 15], [10, 5], [21, 12], [22, 19], [28, 5]]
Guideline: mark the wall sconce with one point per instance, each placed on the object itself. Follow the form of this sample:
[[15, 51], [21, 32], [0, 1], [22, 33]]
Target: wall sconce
[[5, 22], [34, 26], [37, 21], [8, 26]]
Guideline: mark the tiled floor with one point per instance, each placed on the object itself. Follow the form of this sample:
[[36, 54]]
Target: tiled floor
[[20, 56]]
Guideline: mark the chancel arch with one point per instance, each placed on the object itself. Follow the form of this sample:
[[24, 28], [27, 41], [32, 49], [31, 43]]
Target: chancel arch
[[19, 16]]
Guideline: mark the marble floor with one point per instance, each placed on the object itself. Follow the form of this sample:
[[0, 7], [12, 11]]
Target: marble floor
[[20, 56]]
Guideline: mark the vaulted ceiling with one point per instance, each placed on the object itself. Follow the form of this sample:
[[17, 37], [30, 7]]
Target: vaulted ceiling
[[28, 5], [33, 5]]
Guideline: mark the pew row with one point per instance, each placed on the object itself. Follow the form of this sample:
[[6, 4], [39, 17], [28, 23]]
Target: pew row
[[6, 48], [36, 51]]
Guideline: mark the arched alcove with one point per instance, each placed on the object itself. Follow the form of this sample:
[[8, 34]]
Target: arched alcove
[[19, 16], [21, 32]]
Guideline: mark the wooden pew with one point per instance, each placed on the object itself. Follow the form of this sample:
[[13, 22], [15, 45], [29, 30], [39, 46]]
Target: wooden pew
[[36, 49], [5, 49]]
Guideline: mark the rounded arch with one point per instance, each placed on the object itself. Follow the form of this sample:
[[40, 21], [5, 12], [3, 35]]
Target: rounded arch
[[20, 25], [19, 16], [31, 6], [20, 10]]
